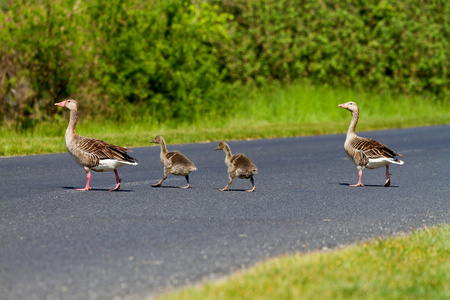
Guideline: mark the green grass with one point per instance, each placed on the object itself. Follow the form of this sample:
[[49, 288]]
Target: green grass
[[416, 266], [296, 110]]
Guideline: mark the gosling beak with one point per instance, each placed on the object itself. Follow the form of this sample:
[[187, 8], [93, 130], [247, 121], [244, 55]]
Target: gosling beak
[[61, 104], [217, 148], [153, 141]]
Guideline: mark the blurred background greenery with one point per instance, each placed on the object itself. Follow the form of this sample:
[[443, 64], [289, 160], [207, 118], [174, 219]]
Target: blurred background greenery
[[207, 63]]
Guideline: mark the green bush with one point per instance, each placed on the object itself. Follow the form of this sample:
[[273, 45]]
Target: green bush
[[175, 61], [41, 57], [158, 55], [119, 56], [397, 46]]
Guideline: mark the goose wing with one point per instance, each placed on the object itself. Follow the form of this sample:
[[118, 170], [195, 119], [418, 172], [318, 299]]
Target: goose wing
[[97, 149], [372, 149], [243, 165], [177, 158]]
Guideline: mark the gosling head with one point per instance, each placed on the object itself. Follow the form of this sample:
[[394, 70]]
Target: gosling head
[[221, 146], [157, 140], [69, 104], [350, 106]]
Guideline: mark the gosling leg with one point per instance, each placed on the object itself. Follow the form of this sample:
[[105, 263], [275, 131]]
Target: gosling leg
[[188, 184], [229, 183], [161, 181], [253, 185]]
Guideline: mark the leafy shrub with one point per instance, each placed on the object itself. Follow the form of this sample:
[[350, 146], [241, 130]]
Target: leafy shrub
[[400, 46], [158, 55], [177, 60], [41, 57]]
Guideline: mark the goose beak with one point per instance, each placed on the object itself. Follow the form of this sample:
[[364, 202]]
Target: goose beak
[[61, 104], [343, 105]]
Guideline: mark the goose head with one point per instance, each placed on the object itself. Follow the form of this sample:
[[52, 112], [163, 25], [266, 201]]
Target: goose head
[[221, 146], [157, 140], [68, 104], [350, 106]]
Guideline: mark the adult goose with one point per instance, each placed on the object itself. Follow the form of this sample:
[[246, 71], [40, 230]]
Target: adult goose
[[238, 165], [174, 163], [93, 154], [365, 152]]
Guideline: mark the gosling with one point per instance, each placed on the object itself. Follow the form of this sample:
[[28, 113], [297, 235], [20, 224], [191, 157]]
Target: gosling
[[238, 165], [174, 163]]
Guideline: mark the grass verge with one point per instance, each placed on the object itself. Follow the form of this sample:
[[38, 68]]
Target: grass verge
[[416, 266], [275, 111]]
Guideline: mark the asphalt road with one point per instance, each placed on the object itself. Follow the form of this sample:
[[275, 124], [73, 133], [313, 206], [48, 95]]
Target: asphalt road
[[57, 243]]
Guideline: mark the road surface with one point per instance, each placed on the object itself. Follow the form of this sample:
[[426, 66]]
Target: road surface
[[57, 243]]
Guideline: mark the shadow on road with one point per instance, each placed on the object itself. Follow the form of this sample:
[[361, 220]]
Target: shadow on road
[[366, 185], [95, 190]]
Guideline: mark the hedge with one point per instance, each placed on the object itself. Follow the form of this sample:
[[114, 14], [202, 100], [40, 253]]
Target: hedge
[[179, 59]]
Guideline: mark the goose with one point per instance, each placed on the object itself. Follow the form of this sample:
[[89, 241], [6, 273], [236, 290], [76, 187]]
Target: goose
[[238, 165], [365, 152], [174, 163], [93, 154]]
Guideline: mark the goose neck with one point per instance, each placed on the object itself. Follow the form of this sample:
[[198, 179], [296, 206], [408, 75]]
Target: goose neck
[[72, 122], [352, 128], [162, 144], [228, 154]]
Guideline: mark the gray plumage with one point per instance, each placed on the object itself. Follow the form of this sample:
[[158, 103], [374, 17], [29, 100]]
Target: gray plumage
[[365, 152], [362, 150], [174, 162], [93, 154], [238, 165]]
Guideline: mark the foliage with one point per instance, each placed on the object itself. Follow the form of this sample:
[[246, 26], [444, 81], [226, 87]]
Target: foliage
[[155, 55], [268, 112], [158, 54], [400, 46], [176, 60], [41, 60]]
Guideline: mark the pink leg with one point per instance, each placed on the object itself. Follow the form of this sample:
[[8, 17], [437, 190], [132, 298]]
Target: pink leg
[[359, 180], [388, 179], [118, 180], [87, 188]]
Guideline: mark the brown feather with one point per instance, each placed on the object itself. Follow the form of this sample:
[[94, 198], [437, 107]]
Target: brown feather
[[179, 158], [174, 162], [242, 166], [366, 152], [103, 150], [88, 152], [372, 148]]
